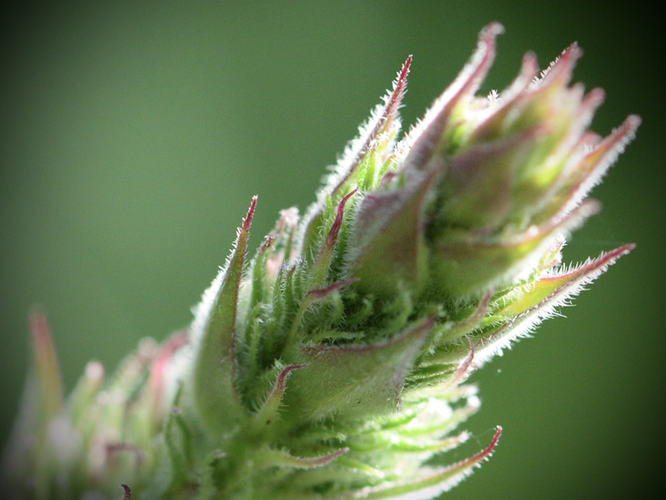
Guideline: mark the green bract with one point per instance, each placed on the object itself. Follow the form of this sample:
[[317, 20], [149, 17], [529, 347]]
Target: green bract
[[332, 363]]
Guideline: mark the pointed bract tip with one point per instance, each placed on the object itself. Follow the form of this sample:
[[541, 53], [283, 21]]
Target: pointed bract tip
[[487, 47], [530, 64], [247, 221], [282, 378], [395, 98], [321, 293], [595, 97], [610, 257], [491, 30], [481, 455], [498, 433], [405, 68], [332, 236], [561, 69], [573, 50], [463, 369], [39, 326], [127, 492], [46, 362], [94, 370], [633, 122], [488, 450]]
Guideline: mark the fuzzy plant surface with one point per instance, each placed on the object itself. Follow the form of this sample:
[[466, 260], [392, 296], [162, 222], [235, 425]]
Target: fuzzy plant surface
[[333, 362]]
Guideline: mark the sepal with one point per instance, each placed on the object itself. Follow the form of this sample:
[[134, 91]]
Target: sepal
[[388, 246], [354, 380], [466, 264]]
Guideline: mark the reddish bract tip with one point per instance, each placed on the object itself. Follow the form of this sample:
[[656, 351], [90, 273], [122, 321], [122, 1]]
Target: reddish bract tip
[[247, 221], [600, 262], [406, 66], [401, 82], [561, 69], [486, 56], [128, 492], [280, 385], [332, 236], [462, 370], [465, 84], [161, 363], [395, 98], [321, 293], [384, 121], [483, 454], [46, 362], [615, 142], [39, 327], [318, 461]]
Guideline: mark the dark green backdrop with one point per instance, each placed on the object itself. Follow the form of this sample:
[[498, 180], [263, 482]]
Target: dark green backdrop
[[133, 136]]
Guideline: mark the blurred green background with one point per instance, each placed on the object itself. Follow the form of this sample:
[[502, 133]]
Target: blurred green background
[[134, 134]]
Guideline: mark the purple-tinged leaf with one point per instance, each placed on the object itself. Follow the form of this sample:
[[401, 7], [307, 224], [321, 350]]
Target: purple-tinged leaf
[[425, 138], [558, 74], [388, 244], [491, 126], [481, 180], [590, 169]]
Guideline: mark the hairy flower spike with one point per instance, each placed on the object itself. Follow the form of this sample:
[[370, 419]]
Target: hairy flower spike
[[333, 363]]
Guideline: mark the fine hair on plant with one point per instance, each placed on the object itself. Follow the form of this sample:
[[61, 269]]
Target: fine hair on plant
[[332, 361]]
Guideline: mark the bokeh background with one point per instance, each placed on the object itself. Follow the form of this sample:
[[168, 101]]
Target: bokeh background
[[135, 133]]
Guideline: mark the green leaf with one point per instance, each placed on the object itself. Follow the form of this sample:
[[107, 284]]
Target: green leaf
[[356, 379], [214, 335]]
